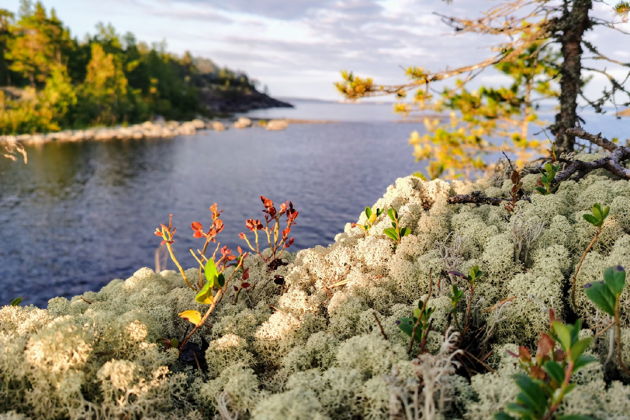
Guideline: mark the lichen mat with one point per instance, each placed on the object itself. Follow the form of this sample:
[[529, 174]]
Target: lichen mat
[[311, 348]]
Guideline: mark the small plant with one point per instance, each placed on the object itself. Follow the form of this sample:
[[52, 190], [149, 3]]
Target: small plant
[[16, 302], [277, 240], [547, 375], [418, 325], [597, 217], [219, 270], [546, 184], [396, 233], [167, 233], [213, 290], [371, 216], [210, 288], [606, 295], [455, 296], [474, 274], [516, 192]]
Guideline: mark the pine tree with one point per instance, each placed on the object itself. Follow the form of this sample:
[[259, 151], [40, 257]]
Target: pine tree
[[37, 45]]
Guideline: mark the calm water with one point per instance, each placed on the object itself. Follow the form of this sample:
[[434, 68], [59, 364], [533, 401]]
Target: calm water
[[79, 215]]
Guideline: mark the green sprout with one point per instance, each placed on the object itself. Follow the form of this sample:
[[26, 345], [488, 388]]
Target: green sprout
[[546, 183], [16, 302], [547, 377], [396, 233], [418, 325], [606, 295], [455, 296], [371, 216], [597, 217], [474, 274]]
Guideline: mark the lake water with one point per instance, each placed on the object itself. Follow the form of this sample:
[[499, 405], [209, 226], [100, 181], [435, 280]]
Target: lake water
[[81, 214]]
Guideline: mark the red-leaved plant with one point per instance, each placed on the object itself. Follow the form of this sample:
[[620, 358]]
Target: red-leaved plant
[[224, 268], [278, 238]]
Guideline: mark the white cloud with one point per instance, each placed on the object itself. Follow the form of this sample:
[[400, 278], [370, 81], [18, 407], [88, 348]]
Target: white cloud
[[302, 44]]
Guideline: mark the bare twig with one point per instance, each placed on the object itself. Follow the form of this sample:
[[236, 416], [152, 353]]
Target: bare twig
[[581, 261], [380, 326], [475, 197], [612, 163], [593, 138]]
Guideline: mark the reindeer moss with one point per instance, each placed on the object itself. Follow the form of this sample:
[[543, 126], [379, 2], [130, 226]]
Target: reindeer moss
[[313, 348]]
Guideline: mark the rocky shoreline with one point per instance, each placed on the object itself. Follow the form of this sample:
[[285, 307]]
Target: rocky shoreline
[[146, 130]]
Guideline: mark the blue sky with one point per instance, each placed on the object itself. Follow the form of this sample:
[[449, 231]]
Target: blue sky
[[297, 47]]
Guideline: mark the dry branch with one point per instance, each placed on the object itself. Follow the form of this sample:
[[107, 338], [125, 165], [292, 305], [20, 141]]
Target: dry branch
[[612, 163], [476, 197]]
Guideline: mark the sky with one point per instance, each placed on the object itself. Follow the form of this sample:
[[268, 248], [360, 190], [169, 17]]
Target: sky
[[298, 47]]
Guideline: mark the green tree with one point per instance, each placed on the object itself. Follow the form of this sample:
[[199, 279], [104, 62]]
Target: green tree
[[6, 17], [59, 96], [104, 90], [37, 45]]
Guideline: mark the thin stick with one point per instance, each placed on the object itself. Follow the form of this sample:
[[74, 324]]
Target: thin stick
[[579, 266], [215, 302], [618, 342], [179, 266], [380, 326]]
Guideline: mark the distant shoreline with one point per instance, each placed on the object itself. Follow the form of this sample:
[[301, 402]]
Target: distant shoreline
[[145, 130], [169, 129]]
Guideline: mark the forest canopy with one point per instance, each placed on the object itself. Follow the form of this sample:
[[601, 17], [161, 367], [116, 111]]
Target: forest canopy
[[49, 79]]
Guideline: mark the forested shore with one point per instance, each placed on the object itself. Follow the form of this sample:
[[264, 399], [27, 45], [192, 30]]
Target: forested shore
[[51, 80]]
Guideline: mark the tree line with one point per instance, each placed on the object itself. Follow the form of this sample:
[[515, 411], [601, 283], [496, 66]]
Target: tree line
[[50, 80]]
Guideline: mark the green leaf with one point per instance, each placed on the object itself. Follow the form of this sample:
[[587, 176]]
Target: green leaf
[[597, 211], [615, 279], [393, 215], [391, 232], [575, 417], [16, 301], [580, 347], [221, 280], [503, 416], [591, 219], [601, 296], [205, 294], [582, 361], [522, 411], [368, 212], [554, 370], [210, 271], [541, 190], [532, 394], [404, 231], [406, 325], [563, 333]]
